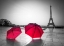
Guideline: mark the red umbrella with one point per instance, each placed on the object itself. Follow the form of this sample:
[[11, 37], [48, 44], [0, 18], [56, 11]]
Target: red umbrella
[[34, 30], [13, 32]]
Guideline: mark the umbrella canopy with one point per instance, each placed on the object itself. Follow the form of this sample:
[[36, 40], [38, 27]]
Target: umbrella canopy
[[34, 30], [13, 32]]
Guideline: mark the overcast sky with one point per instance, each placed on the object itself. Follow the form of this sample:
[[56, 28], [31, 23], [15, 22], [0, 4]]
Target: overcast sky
[[22, 12]]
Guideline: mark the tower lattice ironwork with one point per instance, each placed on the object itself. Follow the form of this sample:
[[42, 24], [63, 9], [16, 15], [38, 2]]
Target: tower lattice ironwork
[[51, 19]]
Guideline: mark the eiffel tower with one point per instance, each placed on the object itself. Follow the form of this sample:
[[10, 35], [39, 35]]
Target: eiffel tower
[[51, 23]]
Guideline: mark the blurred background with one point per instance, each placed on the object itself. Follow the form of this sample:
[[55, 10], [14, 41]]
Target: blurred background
[[22, 12]]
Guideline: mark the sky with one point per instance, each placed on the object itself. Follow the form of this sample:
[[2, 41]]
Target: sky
[[22, 12]]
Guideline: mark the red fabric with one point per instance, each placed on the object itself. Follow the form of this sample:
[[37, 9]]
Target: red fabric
[[27, 27], [13, 32], [34, 30]]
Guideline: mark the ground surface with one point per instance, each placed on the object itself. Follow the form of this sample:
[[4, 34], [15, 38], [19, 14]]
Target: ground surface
[[51, 37]]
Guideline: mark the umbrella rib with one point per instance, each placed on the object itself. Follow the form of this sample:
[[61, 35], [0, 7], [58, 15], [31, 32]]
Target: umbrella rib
[[13, 32], [34, 31], [29, 28], [38, 30]]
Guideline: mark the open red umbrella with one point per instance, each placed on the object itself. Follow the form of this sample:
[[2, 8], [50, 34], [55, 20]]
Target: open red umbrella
[[13, 32], [34, 30]]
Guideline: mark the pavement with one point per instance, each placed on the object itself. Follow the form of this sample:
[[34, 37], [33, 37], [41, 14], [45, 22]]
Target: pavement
[[51, 37]]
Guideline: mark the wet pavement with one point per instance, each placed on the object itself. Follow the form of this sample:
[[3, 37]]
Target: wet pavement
[[51, 37]]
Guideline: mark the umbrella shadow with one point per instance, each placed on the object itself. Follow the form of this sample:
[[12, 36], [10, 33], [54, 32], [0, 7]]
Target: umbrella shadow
[[36, 42], [10, 42], [13, 42]]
